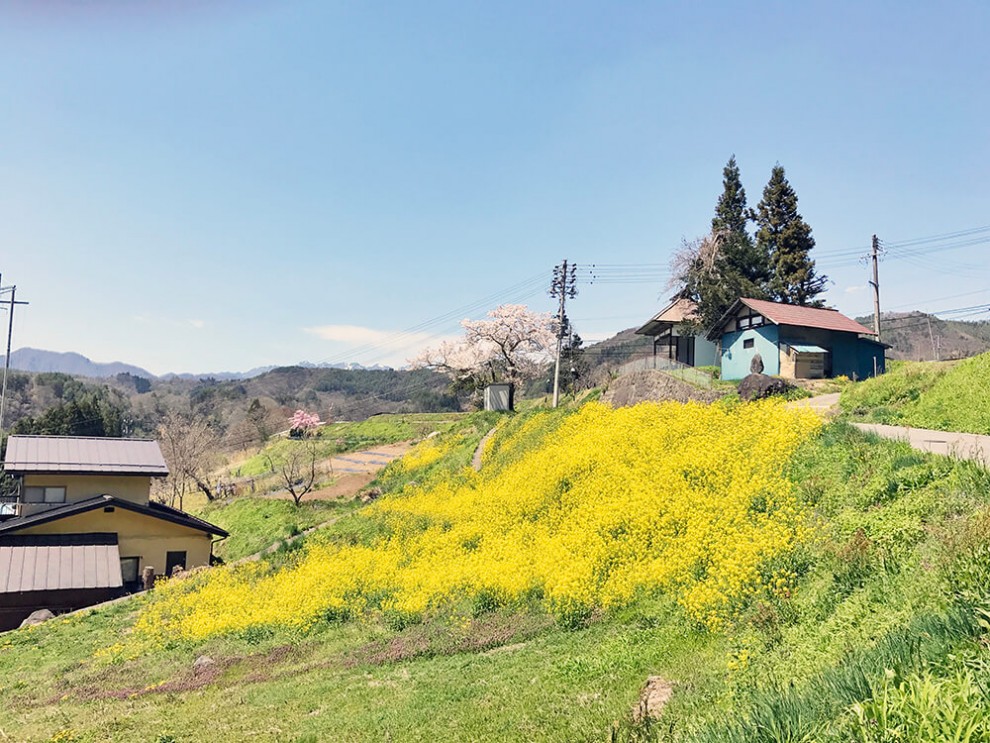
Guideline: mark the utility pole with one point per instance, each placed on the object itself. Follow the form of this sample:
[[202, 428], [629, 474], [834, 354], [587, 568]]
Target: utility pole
[[876, 286], [564, 285], [931, 337], [10, 333]]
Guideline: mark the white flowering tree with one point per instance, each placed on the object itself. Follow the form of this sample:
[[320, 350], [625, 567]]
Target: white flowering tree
[[510, 345]]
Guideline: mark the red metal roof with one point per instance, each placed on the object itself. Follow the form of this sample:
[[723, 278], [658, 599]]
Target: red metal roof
[[80, 454], [807, 317], [52, 562]]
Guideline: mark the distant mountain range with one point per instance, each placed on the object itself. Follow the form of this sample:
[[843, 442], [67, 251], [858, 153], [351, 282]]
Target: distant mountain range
[[37, 360]]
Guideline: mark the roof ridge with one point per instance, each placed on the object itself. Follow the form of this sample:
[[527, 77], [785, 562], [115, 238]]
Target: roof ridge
[[78, 438]]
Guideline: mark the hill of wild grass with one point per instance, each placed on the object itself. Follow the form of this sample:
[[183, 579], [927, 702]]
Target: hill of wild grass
[[792, 582], [948, 396]]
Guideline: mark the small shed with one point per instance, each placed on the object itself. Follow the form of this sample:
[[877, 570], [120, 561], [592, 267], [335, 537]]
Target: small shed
[[499, 397], [796, 342]]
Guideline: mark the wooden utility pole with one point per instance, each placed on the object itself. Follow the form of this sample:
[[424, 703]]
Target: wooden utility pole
[[6, 361], [564, 285], [876, 286]]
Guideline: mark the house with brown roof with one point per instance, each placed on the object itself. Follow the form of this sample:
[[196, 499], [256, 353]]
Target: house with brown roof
[[83, 527], [675, 337], [795, 342]]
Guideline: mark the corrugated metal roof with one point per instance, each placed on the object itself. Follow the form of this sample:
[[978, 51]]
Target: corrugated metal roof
[[805, 348], [79, 454], [53, 562], [806, 317]]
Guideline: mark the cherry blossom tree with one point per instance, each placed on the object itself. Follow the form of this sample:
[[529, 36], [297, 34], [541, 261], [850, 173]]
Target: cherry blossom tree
[[302, 423], [511, 344]]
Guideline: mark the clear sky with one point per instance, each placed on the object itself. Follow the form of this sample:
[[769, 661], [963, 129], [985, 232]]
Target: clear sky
[[217, 185]]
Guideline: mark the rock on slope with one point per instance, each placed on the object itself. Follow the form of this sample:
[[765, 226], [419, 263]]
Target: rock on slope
[[630, 389]]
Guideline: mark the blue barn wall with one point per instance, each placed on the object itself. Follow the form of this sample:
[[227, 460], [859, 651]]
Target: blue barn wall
[[850, 355], [736, 359]]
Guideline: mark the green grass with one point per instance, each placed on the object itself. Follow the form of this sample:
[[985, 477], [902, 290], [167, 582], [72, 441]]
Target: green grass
[[950, 396], [257, 523], [894, 580], [346, 436]]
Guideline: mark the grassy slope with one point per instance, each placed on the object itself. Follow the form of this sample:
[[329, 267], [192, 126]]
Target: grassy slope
[[950, 396], [255, 523], [346, 436], [888, 544]]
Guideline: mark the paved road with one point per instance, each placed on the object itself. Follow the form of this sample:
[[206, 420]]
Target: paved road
[[962, 445], [825, 404]]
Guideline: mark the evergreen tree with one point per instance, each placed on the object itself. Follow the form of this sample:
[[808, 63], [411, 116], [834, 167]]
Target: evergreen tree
[[726, 265], [786, 238]]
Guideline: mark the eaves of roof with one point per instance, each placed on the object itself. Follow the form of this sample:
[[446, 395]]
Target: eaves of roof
[[154, 510]]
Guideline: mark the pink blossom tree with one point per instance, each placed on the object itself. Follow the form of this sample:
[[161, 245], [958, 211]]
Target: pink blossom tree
[[301, 423], [512, 344]]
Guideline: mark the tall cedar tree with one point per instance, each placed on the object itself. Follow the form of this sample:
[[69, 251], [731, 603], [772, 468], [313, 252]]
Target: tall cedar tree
[[731, 265], [786, 238]]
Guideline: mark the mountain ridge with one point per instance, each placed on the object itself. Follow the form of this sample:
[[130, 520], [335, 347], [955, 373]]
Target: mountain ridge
[[37, 360]]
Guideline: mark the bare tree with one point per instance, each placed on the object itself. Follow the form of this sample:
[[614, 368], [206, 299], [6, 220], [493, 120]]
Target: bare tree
[[189, 445], [295, 463]]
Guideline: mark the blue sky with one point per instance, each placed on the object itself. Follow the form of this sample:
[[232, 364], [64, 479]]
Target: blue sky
[[207, 186]]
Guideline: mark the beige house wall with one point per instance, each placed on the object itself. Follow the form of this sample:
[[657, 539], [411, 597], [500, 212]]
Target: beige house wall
[[133, 488], [138, 536]]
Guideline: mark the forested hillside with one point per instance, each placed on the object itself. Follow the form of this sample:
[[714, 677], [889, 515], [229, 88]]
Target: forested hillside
[[243, 410]]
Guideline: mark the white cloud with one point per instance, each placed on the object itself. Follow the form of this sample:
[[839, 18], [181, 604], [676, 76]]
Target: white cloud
[[197, 323], [857, 289], [351, 334]]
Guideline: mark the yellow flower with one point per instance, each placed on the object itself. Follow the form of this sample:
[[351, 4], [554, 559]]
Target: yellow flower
[[589, 510]]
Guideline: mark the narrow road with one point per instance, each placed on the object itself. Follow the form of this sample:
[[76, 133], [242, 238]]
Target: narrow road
[[352, 471], [962, 445], [824, 404]]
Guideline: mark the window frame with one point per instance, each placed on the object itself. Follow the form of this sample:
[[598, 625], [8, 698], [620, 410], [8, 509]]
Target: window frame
[[42, 499], [137, 569]]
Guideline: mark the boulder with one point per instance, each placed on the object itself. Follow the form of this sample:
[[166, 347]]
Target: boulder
[[636, 387], [37, 617], [202, 663], [758, 386]]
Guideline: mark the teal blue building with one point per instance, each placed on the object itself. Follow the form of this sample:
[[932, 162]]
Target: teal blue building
[[795, 342]]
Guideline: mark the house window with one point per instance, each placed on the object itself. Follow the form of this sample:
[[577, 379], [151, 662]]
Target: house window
[[748, 343], [44, 495], [750, 321]]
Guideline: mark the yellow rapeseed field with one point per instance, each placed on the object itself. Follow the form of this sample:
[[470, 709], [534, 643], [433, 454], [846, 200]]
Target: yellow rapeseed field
[[687, 499]]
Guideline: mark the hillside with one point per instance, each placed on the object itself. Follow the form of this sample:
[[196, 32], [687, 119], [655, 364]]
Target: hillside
[[946, 396], [140, 403], [911, 339], [771, 576]]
